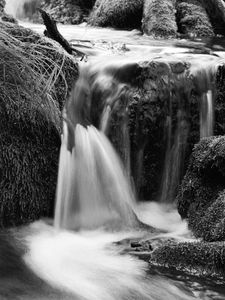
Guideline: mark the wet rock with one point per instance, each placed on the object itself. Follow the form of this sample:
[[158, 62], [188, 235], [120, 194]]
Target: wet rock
[[192, 18], [178, 67], [194, 258], [117, 14], [159, 18], [32, 96]]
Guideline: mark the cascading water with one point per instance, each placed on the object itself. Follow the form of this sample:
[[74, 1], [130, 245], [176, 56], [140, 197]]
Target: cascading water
[[16, 8], [92, 186], [176, 142], [206, 114]]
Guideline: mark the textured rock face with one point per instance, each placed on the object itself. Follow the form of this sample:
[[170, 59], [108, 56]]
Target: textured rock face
[[68, 11], [32, 96], [159, 18], [193, 19], [201, 198], [163, 120], [117, 14]]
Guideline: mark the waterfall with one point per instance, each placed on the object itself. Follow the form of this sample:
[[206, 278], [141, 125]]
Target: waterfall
[[16, 8], [92, 188], [206, 114], [177, 141]]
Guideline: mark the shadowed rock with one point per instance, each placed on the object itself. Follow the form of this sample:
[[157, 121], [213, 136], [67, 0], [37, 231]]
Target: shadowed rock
[[117, 14]]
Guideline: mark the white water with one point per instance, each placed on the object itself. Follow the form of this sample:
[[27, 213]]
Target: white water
[[88, 266], [92, 188], [15, 7], [207, 115]]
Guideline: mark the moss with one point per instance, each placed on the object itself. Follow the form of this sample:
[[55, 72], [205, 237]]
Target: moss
[[201, 198], [33, 89], [159, 18], [192, 18], [117, 14], [196, 258]]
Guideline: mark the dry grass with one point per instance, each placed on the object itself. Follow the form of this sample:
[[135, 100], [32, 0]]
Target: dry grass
[[35, 78]]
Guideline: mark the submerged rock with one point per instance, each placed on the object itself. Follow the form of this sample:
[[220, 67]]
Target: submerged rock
[[36, 75], [118, 14]]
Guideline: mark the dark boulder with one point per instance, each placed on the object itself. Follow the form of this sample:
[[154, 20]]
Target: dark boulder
[[117, 14], [192, 18], [201, 198]]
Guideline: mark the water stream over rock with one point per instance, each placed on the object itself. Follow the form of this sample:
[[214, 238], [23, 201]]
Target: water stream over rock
[[83, 256]]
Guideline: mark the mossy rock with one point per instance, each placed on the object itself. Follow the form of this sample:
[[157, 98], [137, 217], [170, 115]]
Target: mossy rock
[[159, 18], [201, 198], [192, 18], [201, 259], [117, 14], [37, 76]]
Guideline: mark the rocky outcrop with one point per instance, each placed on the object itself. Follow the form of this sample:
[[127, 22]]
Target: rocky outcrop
[[37, 76], [159, 18], [117, 14]]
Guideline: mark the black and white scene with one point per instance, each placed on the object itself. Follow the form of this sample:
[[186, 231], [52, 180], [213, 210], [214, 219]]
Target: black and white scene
[[112, 150]]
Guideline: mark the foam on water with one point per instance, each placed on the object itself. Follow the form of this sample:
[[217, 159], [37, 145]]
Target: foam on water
[[88, 266]]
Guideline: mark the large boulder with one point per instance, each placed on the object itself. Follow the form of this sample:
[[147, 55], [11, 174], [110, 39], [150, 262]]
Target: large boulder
[[35, 75], [201, 198], [159, 18], [117, 14], [193, 19]]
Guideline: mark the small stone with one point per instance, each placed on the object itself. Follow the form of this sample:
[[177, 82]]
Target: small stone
[[135, 244]]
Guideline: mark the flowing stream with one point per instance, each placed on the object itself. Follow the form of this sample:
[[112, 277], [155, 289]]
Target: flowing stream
[[96, 207]]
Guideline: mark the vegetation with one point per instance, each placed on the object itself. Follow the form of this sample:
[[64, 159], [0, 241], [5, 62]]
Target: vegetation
[[35, 76]]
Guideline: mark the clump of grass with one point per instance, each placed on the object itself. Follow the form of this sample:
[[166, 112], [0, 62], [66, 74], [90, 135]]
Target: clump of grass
[[117, 14], [33, 89], [159, 18]]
